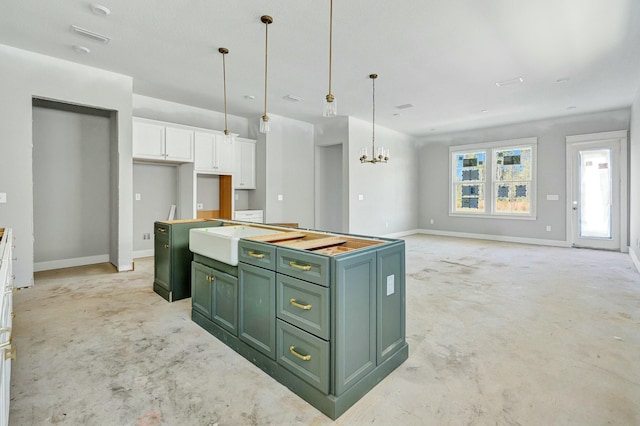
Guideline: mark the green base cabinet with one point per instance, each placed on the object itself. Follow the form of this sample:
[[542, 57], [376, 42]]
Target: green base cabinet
[[327, 326], [215, 296], [172, 258]]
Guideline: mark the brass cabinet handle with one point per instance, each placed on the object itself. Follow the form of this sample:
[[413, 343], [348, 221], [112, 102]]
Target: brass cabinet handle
[[210, 278], [10, 353], [166, 246], [292, 349], [256, 255], [161, 230], [8, 342], [293, 264], [298, 305]]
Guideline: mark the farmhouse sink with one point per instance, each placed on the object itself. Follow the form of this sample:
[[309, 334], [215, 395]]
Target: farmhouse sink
[[221, 243]]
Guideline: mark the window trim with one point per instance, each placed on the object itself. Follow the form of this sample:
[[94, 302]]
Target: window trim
[[490, 195]]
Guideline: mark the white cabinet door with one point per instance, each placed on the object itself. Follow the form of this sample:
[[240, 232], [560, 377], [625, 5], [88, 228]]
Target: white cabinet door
[[225, 154], [179, 144], [204, 146], [148, 141], [245, 170]]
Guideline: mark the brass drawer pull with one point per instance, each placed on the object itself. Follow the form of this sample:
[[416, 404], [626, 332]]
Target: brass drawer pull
[[211, 278], [292, 349], [256, 255], [161, 230], [298, 305], [293, 264], [10, 353]]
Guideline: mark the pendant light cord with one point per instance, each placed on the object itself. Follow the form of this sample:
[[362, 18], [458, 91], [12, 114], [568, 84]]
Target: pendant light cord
[[373, 130], [266, 56], [224, 78], [330, 42]]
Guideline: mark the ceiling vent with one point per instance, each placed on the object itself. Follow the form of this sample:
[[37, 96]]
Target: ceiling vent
[[90, 34], [292, 98], [405, 106], [516, 80]]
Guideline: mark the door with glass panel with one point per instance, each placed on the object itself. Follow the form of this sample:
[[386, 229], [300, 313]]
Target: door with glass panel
[[595, 194]]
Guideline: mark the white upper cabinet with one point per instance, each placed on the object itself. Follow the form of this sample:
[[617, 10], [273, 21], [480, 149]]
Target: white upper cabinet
[[245, 169], [212, 154], [155, 140]]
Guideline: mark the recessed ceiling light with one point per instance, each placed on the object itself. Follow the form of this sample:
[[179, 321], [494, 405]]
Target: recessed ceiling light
[[293, 98], [484, 110], [396, 114], [516, 80], [249, 97], [90, 34], [101, 10], [562, 80], [405, 106], [81, 49], [571, 107]]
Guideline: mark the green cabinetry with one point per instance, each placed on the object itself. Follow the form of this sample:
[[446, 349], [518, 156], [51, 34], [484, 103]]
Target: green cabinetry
[[327, 324], [172, 258], [215, 295]]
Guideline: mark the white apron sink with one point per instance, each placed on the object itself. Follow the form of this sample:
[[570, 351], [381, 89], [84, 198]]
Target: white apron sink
[[221, 243]]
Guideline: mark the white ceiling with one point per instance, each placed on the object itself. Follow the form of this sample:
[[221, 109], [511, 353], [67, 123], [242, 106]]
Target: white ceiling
[[443, 56]]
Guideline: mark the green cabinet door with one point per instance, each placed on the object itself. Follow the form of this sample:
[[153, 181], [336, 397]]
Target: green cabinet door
[[162, 264], [224, 306], [353, 297], [257, 303], [201, 289]]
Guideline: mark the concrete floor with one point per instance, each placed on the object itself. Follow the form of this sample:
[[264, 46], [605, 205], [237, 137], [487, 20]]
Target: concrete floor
[[499, 333]]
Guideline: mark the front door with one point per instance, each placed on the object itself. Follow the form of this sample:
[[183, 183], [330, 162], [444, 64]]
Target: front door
[[595, 193]]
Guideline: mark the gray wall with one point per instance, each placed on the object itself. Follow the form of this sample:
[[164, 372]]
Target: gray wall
[[208, 192], [329, 188], [71, 183], [284, 166], [26, 75], [634, 182], [551, 172], [158, 189], [390, 191]]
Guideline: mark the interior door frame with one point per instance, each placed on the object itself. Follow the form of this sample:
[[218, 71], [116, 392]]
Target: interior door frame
[[621, 137]]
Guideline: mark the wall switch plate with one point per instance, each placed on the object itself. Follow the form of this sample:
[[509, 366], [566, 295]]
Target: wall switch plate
[[552, 197], [3, 197], [548, 228], [280, 197], [360, 197], [431, 221], [138, 196], [237, 196], [146, 236], [200, 206]]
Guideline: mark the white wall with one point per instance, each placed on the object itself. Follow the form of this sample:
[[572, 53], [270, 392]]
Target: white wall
[[634, 183], [284, 166], [26, 75], [390, 191], [551, 172]]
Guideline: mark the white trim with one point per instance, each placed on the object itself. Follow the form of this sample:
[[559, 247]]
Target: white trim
[[143, 253], [634, 259], [401, 234], [520, 240], [591, 137], [69, 263]]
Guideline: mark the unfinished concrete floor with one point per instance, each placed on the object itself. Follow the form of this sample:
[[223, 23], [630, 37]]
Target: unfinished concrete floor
[[499, 334]]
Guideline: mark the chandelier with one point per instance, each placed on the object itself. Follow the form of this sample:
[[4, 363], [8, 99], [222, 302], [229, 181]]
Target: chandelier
[[380, 155]]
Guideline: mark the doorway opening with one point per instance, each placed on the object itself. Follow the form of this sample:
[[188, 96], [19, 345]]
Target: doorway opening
[[74, 185]]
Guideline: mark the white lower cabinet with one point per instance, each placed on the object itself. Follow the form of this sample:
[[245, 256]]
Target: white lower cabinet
[[255, 216]]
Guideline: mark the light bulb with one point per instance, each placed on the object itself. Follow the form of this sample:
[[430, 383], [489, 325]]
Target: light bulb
[[265, 126], [330, 108]]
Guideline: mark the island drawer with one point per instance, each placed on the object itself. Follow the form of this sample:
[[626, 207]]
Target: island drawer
[[304, 355], [303, 304], [162, 229], [257, 254], [306, 266]]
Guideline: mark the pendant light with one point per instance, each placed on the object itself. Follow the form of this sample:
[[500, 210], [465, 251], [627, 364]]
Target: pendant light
[[330, 108], [228, 138], [380, 155], [265, 126]]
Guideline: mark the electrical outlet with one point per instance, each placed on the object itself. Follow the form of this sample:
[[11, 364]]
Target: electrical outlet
[[548, 228], [200, 206], [386, 224], [280, 197], [3, 197], [146, 236], [138, 196], [431, 221]]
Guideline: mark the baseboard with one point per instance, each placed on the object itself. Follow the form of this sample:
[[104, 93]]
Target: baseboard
[[69, 263], [634, 259], [142, 253], [521, 240], [401, 234]]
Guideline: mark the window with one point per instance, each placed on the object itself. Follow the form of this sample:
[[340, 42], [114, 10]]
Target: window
[[508, 190]]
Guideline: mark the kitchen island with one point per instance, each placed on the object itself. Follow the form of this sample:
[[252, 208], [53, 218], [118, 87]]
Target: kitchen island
[[322, 313]]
